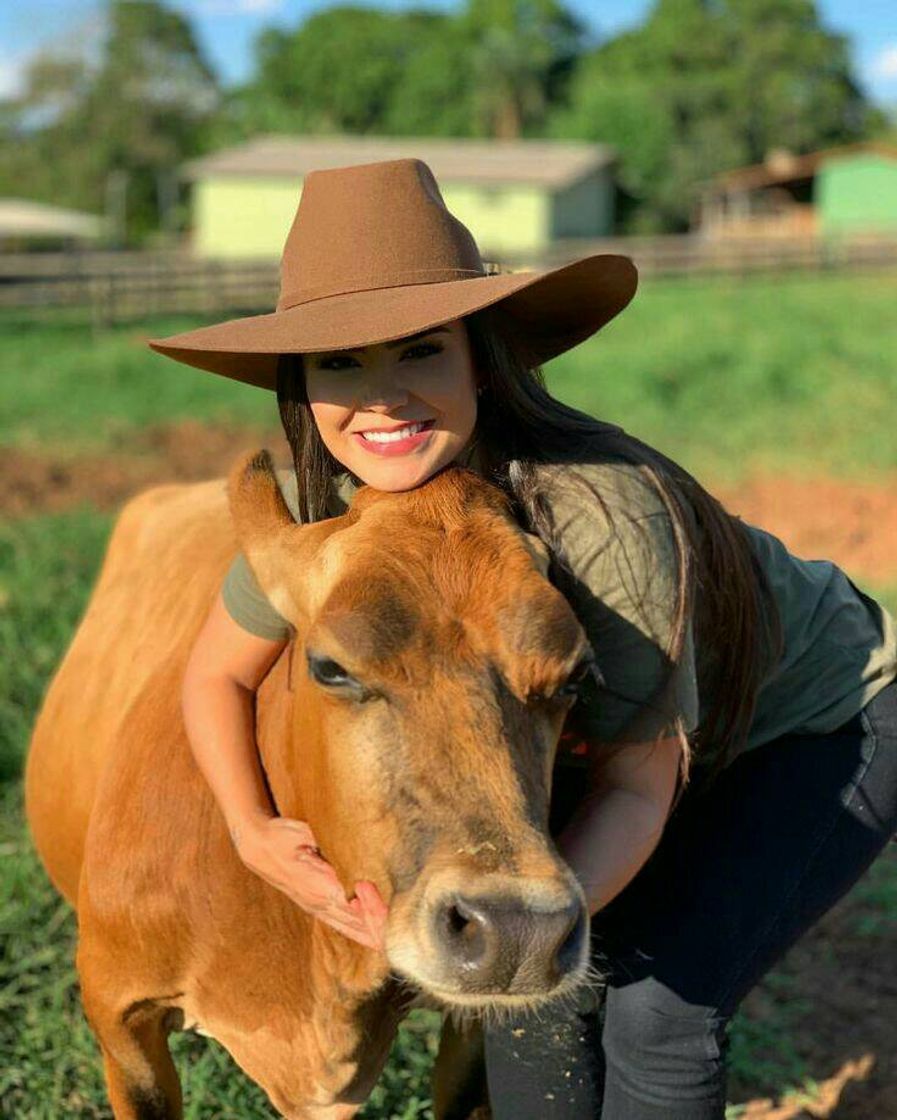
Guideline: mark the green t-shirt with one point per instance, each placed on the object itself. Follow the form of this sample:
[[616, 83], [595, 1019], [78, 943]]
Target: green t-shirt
[[840, 646]]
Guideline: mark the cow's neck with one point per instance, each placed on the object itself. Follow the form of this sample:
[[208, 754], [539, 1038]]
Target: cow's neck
[[275, 732], [361, 971]]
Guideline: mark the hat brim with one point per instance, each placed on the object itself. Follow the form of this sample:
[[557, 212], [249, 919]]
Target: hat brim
[[551, 311]]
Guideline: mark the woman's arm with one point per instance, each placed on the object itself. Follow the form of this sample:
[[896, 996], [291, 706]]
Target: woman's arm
[[620, 821], [226, 667]]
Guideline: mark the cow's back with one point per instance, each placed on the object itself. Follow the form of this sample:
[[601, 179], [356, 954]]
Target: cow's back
[[165, 561]]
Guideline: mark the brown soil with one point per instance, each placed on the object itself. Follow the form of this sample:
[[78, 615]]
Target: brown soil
[[842, 976], [852, 523], [34, 482], [848, 1034]]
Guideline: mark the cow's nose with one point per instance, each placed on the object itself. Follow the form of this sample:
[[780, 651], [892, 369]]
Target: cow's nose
[[503, 945]]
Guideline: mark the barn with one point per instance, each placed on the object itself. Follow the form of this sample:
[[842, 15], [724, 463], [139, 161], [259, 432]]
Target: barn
[[516, 197], [850, 190]]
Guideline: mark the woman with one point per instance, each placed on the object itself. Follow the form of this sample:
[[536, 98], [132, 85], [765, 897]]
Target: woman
[[741, 740]]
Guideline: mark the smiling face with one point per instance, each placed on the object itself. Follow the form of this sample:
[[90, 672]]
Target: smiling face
[[395, 413]]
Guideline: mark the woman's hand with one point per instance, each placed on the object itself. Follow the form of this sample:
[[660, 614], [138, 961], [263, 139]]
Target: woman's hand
[[285, 854]]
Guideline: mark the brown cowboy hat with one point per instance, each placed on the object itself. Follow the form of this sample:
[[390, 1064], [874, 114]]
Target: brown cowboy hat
[[374, 254]]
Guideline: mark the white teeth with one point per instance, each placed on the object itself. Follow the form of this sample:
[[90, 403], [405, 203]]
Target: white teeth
[[392, 437]]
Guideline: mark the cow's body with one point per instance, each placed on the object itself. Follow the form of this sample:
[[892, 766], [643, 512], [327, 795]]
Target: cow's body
[[174, 930], [128, 831]]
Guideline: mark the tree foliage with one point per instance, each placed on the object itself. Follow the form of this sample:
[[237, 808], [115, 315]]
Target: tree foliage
[[105, 129], [492, 70], [705, 85]]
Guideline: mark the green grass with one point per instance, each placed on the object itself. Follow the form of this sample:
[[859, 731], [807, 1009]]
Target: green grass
[[795, 372], [72, 388]]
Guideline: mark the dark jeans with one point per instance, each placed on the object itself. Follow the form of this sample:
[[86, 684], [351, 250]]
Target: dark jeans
[[739, 875]]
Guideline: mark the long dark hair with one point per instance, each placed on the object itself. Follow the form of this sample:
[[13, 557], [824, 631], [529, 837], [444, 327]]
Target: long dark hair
[[521, 428]]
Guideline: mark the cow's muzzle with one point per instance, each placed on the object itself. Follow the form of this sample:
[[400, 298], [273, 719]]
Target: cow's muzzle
[[496, 945], [495, 940]]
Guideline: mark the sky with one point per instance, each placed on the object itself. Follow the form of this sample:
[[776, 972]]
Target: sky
[[226, 30]]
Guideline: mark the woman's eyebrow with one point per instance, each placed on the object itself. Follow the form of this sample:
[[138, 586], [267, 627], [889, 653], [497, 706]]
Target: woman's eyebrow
[[403, 341], [411, 337]]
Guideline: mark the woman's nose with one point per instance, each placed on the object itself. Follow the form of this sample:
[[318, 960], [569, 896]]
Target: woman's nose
[[385, 392]]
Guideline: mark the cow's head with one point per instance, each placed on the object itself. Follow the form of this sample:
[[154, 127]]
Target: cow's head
[[433, 667]]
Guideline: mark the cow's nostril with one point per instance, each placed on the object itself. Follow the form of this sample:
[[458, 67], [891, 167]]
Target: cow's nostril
[[464, 932], [458, 922]]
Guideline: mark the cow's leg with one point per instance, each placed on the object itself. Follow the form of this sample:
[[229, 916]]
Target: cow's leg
[[459, 1074], [141, 1078]]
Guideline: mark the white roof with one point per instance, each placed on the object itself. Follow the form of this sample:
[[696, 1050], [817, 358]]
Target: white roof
[[549, 163], [20, 217]]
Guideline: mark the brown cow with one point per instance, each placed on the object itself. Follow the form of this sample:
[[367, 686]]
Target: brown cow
[[425, 768]]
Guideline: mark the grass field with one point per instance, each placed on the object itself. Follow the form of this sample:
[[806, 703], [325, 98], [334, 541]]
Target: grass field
[[794, 374]]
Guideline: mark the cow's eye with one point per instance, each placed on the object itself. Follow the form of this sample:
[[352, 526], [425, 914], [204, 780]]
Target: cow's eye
[[330, 673]]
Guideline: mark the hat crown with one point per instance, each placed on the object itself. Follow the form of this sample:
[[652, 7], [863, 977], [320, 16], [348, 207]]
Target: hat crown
[[374, 225]]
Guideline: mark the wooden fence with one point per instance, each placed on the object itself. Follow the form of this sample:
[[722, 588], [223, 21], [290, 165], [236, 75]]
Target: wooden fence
[[122, 287]]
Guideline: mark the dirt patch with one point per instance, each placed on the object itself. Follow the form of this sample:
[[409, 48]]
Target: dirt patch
[[852, 523], [39, 482], [842, 976]]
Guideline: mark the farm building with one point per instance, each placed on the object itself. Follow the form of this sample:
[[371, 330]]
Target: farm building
[[516, 197], [847, 190], [35, 225]]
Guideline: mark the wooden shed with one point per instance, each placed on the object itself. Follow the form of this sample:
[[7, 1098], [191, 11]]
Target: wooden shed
[[516, 197], [837, 191]]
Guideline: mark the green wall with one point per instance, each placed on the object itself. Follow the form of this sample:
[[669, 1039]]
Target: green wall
[[857, 193]]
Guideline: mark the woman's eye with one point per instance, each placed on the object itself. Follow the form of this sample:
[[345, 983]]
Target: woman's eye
[[427, 347], [344, 361], [336, 362]]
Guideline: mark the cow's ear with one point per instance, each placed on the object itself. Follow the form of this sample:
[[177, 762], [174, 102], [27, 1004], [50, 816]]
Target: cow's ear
[[280, 552], [256, 504]]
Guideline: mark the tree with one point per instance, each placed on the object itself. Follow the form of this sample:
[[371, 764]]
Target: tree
[[341, 70], [706, 85], [112, 128], [491, 70], [521, 53]]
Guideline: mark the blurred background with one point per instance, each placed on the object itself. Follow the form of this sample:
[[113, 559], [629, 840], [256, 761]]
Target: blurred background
[[743, 152]]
